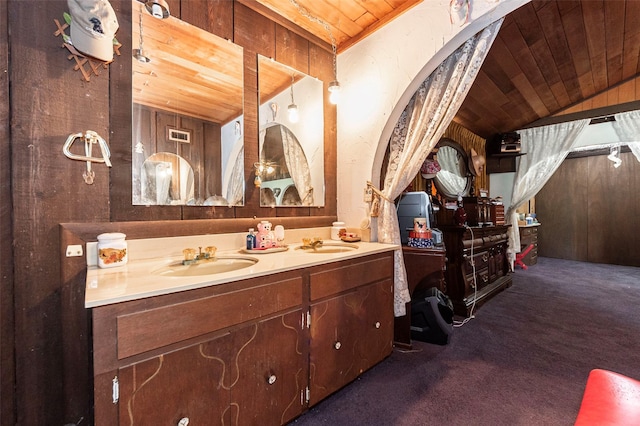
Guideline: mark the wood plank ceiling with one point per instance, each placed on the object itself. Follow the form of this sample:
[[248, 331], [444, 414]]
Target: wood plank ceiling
[[548, 56]]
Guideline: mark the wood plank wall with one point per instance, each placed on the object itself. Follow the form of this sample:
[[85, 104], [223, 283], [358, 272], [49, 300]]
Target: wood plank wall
[[588, 210], [7, 366], [49, 101]]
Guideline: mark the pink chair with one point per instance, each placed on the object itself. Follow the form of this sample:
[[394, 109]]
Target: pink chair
[[609, 399], [522, 255]]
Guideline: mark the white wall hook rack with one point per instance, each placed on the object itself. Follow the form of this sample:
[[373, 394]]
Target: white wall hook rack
[[90, 138]]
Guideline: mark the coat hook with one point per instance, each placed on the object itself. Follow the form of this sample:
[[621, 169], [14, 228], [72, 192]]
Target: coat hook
[[90, 137]]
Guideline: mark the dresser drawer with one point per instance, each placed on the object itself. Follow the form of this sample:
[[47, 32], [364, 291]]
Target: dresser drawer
[[480, 260], [482, 279]]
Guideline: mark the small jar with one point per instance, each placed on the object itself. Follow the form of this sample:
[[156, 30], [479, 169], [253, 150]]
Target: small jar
[[112, 250], [338, 230]]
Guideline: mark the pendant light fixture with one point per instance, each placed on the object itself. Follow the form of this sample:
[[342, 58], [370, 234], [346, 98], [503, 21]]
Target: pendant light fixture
[[139, 52], [334, 86], [158, 8], [293, 108]]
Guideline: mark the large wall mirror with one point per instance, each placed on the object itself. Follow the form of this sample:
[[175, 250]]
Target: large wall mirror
[[187, 94], [291, 117], [454, 177]]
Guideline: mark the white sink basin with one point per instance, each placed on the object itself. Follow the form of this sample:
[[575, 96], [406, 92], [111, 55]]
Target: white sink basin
[[217, 265], [328, 247]]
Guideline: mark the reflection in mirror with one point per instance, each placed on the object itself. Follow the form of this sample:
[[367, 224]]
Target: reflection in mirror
[[167, 178], [187, 101], [291, 167], [453, 179]]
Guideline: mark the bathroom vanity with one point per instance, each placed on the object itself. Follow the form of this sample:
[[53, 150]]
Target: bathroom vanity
[[252, 347]]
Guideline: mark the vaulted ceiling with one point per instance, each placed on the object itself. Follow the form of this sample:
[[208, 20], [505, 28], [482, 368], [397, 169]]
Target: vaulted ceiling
[[550, 55]]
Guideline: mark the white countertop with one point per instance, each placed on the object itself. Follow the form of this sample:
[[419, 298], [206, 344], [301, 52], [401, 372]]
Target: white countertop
[[136, 279]]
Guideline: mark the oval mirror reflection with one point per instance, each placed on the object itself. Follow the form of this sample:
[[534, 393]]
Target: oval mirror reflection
[[285, 176], [454, 178], [167, 179]]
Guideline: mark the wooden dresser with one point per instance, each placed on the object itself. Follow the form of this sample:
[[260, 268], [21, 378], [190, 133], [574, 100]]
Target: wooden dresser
[[425, 269], [529, 235], [482, 247]]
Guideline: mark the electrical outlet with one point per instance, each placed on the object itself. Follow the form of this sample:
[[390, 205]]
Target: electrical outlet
[[368, 194], [74, 250]]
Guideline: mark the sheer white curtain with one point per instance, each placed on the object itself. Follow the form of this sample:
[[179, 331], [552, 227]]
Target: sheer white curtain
[[419, 128], [627, 127], [235, 188], [298, 166], [546, 148]]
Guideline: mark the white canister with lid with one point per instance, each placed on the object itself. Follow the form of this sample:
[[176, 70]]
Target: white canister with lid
[[338, 230], [112, 250]]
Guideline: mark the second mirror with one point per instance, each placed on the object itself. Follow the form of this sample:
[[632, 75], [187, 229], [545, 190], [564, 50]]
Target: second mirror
[[291, 117]]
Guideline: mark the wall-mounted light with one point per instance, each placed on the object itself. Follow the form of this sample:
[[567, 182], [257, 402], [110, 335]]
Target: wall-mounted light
[[158, 8], [334, 86], [139, 52], [292, 109], [262, 170]]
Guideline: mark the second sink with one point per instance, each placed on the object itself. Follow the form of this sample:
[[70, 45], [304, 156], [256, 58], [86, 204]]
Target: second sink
[[328, 247]]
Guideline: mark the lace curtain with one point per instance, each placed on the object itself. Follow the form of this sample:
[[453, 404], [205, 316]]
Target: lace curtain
[[235, 189], [298, 166], [419, 128], [294, 158], [627, 127], [546, 148]]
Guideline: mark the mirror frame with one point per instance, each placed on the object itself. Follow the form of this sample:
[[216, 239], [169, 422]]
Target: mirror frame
[[446, 142]]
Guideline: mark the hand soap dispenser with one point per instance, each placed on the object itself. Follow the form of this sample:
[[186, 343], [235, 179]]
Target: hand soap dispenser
[[251, 239]]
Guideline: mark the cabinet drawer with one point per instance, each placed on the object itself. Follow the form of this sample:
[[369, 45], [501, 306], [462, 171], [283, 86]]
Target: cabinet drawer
[[480, 260], [482, 279], [344, 277], [147, 330]]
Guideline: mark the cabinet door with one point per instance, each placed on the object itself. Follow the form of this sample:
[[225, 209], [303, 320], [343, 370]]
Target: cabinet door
[[333, 345], [376, 342], [349, 334], [253, 375], [270, 372], [189, 383]]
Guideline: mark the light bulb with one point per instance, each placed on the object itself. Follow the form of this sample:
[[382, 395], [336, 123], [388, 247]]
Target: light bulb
[[293, 113], [156, 11], [334, 90]]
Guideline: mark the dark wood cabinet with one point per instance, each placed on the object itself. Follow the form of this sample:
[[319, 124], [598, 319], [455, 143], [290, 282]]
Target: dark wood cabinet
[[529, 235], [477, 265], [210, 380], [351, 323], [425, 269], [256, 351]]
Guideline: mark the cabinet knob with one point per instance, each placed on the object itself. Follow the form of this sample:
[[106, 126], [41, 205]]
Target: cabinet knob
[[272, 379], [377, 324], [183, 421], [337, 345], [485, 257]]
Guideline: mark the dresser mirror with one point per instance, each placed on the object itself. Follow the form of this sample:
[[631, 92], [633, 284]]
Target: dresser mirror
[[187, 94], [291, 136], [454, 177]]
